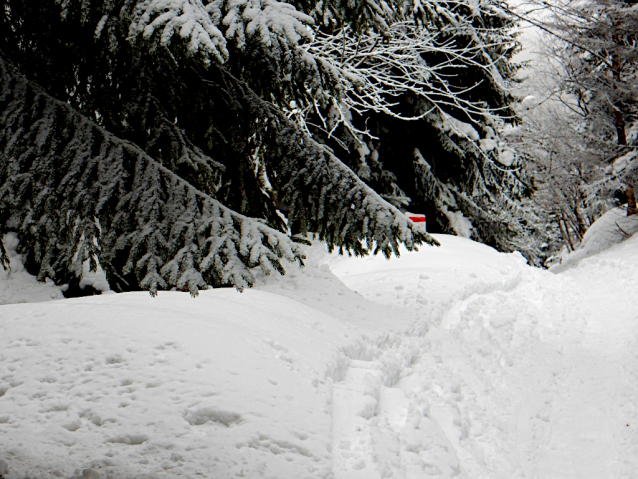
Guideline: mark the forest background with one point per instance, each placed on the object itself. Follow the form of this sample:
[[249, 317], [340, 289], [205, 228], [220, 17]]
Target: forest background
[[184, 143]]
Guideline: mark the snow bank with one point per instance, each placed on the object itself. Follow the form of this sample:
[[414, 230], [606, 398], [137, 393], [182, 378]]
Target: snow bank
[[430, 277], [225, 385], [532, 375], [608, 230], [18, 286]]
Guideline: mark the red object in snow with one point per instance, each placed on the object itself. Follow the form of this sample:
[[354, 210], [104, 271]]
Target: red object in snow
[[419, 219]]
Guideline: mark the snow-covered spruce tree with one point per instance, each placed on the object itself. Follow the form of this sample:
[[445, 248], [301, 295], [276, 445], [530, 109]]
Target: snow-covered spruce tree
[[422, 119], [120, 167], [600, 58]]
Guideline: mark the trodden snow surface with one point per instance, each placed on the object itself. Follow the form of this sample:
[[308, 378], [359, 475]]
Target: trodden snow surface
[[455, 361]]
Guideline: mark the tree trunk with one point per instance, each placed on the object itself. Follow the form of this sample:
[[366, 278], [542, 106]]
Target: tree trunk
[[565, 233], [620, 125], [631, 202], [621, 128], [582, 227], [619, 116]]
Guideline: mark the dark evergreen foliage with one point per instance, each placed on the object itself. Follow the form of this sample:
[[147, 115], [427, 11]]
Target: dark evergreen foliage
[[137, 187], [441, 151], [74, 192]]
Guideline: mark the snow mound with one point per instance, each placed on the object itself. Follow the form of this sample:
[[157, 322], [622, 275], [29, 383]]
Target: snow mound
[[610, 229], [225, 385], [431, 276], [18, 286]]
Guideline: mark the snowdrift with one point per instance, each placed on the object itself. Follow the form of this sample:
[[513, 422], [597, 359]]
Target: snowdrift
[[610, 229]]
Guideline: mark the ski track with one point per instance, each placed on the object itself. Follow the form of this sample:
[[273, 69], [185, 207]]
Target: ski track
[[531, 378]]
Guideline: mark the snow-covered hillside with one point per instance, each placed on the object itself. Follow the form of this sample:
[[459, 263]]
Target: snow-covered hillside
[[455, 361]]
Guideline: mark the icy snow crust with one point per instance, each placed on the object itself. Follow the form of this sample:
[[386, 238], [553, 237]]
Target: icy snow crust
[[455, 361]]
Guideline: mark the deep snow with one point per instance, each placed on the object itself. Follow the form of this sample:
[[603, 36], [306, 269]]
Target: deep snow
[[455, 361]]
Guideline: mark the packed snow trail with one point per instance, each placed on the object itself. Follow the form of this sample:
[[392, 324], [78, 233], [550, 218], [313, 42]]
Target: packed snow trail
[[533, 378]]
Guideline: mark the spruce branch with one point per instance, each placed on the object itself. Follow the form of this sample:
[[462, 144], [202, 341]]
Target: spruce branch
[[323, 195], [61, 176]]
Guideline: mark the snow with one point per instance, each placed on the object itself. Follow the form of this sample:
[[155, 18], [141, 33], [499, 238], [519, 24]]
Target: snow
[[625, 164], [461, 225], [506, 157], [488, 144], [529, 102], [458, 127], [608, 230], [456, 361], [18, 286]]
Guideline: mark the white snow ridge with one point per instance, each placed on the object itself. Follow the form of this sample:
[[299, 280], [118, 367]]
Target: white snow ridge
[[450, 362]]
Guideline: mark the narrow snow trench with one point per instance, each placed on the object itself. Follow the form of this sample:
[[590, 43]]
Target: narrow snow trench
[[534, 379]]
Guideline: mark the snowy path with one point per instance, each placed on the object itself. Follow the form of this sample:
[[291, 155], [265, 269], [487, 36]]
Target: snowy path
[[453, 362], [535, 379]]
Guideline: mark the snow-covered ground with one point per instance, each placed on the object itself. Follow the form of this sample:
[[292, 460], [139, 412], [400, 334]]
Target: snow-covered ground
[[455, 361]]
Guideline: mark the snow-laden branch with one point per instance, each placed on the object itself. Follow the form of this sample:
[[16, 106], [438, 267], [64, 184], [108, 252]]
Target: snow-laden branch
[[379, 67], [368, 72], [207, 27], [376, 70], [75, 192], [323, 195], [190, 19]]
